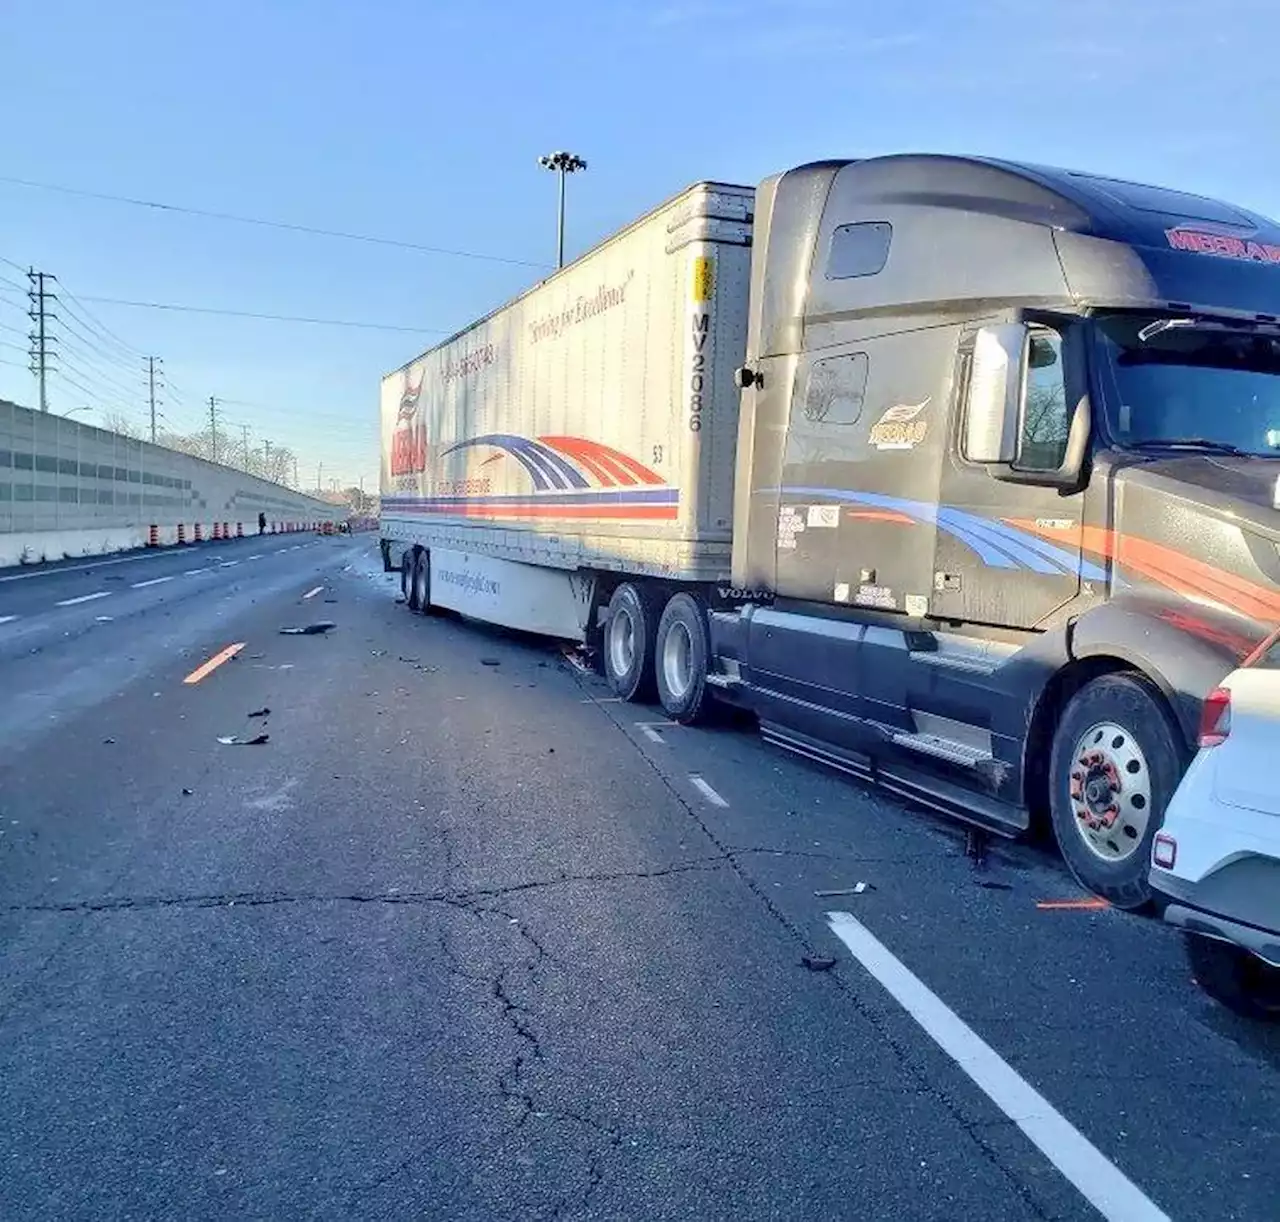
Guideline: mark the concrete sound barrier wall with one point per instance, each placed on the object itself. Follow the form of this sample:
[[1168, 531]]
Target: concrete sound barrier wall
[[69, 489]]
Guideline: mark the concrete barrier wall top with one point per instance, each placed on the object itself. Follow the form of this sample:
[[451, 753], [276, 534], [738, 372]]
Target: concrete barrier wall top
[[58, 475]]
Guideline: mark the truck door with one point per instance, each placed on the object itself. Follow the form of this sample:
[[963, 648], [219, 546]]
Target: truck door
[[1008, 551]]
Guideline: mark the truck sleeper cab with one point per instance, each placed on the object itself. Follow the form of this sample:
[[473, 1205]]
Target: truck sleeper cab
[[1007, 472]]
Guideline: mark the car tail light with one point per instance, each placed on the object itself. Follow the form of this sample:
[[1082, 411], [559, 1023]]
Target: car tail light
[[1164, 851], [1215, 718]]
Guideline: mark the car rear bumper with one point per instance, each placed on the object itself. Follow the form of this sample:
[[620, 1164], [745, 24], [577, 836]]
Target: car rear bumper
[[1248, 917]]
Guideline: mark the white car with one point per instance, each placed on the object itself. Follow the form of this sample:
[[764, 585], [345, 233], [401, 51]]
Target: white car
[[1216, 861]]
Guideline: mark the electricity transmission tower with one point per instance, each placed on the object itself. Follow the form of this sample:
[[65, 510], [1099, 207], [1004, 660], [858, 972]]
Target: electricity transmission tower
[[41, 351]]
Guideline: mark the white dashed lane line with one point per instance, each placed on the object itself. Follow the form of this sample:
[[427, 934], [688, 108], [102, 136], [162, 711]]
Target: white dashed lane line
[[706, 791], [313, 593], [1093, 1175], [84, 598], [7, 619], [193, 572], [155, 581], [228, 564]]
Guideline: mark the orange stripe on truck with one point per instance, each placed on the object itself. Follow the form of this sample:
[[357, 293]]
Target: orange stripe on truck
[[1168, 567]]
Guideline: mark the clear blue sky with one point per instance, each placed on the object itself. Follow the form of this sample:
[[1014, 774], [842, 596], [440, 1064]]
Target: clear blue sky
[[423, 121]]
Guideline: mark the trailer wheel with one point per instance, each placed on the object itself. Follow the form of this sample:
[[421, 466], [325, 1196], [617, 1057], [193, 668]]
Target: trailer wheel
[[1231, 975], [1114, 767], [407, 565], [681, 650], [422, 583], [628, 642]]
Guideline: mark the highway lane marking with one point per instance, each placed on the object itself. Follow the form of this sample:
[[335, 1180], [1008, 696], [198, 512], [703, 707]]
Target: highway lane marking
[[1097, 1179], [89, 568], [313, 593], [7, 619], [193, 572], [155, 581], [706, 791], [650, 729], [228, 564], [84, 598], [207, 668], [258, 556]]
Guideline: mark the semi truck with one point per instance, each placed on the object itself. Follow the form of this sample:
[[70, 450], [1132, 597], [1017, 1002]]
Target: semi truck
[[960, 475]]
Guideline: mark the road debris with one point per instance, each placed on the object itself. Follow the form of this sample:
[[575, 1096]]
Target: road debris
[[310, 630], [856, 889], [262, 712], [234, 740], [490, 661], [187, 792], [1093, 903], [109, 741], [818, 963], [988, 885]]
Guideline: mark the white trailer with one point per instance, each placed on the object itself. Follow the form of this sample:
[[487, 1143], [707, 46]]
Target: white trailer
[[581, 438]]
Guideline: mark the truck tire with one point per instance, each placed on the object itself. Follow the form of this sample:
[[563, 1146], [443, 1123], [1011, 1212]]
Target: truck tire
[[628, 642], [421, 601], [1115, 763], [680, 654], [407, 562], [1230, 974]]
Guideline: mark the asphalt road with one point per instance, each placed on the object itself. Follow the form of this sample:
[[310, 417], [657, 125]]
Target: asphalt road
[[466, 939]]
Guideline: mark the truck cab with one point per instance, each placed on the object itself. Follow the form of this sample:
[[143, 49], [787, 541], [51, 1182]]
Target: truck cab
[[1006, 490]]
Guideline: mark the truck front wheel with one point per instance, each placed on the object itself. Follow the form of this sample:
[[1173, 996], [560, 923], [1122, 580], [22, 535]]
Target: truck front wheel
[[628, 642], [680, 660], [1115, 765]]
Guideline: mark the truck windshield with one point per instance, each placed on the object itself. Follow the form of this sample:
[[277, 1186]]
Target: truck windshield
[[1188, 384]]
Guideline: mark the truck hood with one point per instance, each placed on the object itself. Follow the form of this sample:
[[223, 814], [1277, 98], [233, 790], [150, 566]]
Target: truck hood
[[1238, 490]]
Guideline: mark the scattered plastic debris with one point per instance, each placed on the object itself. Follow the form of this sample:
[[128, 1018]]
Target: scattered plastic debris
[[490, 661], [988, 885], [187, 792], [234, 740], [109, 741], [310, 630], [857, 889], [102, 619], [263, 712], [1093, 903], [818, 963]]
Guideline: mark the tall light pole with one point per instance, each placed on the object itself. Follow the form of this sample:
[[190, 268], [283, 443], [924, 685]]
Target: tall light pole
[[561, 163]]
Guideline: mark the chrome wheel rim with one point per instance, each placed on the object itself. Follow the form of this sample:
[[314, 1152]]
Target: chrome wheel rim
[[622, 642], [1109, 788], [677, 660]]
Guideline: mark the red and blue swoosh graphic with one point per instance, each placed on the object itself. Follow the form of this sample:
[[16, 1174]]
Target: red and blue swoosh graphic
[[572, 477], [996, 543]]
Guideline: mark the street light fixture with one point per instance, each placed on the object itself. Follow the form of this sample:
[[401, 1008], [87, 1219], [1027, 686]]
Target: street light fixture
[[562, 163], [72, 412]]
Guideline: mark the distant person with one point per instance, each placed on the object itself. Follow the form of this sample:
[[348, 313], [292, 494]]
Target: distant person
[[262, 523]]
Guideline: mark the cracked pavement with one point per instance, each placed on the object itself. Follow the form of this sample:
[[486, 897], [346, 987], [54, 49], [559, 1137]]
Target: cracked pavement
[[461, 941]]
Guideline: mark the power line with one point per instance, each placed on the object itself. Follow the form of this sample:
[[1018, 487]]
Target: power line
[[111, 359], [94, 374], [17, 267], [269, 224], [324, 322], [93, 323]]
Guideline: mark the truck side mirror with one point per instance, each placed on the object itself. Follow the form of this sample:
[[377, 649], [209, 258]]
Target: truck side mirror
[[995, 394]]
